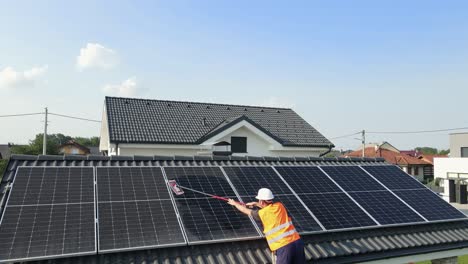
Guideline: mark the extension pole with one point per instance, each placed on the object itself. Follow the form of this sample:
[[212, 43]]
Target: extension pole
[[44, 146]]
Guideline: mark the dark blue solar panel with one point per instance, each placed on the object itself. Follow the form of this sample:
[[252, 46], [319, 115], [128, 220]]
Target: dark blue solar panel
[[336, 211], [247, 180], [50, 212], [393, 177], [386, 208], [307, 180], [207, 219], [135, 209], [429, 204], [352, 178]]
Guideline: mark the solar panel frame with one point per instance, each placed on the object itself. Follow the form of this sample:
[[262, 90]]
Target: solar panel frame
[[142, 247], [200, 242], [58, 255]]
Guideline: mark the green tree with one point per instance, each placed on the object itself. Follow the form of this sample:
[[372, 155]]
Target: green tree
[[3, 166], [87, 142], [444, 151], [427, 150], [53, 142]]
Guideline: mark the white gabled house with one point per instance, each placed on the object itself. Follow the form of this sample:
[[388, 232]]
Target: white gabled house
[[167, 128]]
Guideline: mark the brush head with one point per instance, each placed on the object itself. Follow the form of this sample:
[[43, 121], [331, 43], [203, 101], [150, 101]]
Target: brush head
[[175, 188]]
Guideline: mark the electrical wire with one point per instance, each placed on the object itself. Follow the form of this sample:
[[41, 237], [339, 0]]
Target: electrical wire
[[416, 132], [30, 114], [346, 135], [74, 117]]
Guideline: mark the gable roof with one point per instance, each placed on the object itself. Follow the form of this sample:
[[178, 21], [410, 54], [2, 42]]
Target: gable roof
[[75, 144], [389, 156], [430, 158], [329, 247], [173, 122]]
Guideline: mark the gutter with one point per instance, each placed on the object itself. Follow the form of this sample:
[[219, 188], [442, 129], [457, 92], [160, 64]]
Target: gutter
[[326, 152]]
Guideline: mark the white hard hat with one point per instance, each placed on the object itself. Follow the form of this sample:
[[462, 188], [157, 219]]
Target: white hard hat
[[265, 194]]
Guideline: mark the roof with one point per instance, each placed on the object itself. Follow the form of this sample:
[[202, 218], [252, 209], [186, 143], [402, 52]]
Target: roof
[[389, 156], [430, 158], [330, 247], [412, 153], [173, 122]]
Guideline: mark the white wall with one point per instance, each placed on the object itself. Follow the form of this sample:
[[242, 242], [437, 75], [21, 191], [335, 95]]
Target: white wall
[[256, 146], [455, 165], [457, 141]]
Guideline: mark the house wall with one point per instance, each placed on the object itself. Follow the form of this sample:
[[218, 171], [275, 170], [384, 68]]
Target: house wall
[[442, 166], [457, 141], [104, 137], [256, 146]]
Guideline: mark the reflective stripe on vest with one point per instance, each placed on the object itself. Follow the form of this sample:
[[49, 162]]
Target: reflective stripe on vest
[[283, 235], [278, 228]]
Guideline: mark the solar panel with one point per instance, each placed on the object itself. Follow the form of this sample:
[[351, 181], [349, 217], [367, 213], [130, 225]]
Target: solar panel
[[307, 179], [429, 205], [393, 177], [50, 213], [336, 211], [386, 208], [206, 219], [247, 181], [352, 178], [135, 209]]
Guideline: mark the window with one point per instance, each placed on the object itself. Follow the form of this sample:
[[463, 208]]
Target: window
[[416, 170], [238, 144], [464, 152]]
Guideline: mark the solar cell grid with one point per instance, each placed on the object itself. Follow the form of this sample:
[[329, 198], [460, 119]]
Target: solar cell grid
[[206, 179], [307, 179], [430, 205], [135, 209], [50, 212], [352, 178], [386, 208], [393, 177], [247, 180], [207, 219], [336, 211]]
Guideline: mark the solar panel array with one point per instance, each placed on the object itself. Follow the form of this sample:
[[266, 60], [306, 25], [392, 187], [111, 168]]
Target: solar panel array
[[62, 211]]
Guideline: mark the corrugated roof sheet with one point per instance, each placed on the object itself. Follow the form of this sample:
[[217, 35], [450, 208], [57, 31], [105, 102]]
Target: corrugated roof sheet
[[329, 247]]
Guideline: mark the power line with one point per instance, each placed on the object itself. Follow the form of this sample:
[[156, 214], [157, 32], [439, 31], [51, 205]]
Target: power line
[[346, 135], [30, 114], [74, 117], [417, 132]]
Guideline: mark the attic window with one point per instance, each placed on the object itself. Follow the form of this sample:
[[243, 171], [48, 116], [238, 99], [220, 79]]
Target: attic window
[[169, 105], [148, 103], [208, 107], [245, 109], [262, 110], [126, 102], [228, 108], [278, 111], [188, 106]]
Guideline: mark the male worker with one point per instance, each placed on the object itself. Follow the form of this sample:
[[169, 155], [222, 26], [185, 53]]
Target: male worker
[[277, 227]]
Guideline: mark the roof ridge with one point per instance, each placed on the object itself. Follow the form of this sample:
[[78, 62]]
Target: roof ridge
[[201, 103]]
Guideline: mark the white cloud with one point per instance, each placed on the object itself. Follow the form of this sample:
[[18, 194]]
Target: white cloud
[[10, 78], [94, 55], [280, 102], [127, 88]]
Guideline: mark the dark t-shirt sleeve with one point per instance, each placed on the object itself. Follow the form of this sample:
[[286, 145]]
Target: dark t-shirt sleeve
[[255, 215]]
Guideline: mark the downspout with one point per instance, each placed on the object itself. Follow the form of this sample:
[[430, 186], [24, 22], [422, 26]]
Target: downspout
[[326, 152], [117, 149]]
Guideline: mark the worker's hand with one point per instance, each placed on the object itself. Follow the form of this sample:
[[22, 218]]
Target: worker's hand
[[251, 204], [233, 203]]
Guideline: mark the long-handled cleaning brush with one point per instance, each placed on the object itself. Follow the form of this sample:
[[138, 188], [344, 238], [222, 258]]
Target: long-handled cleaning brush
[[177, 189]]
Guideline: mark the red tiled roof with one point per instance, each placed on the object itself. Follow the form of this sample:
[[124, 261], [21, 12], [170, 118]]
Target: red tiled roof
[[430, 158], [390, 156]]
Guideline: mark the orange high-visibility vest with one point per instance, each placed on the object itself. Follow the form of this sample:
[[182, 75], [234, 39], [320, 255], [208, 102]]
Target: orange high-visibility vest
[[277, 226]]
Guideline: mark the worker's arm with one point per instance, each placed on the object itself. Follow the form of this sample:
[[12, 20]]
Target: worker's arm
[[240, 207]]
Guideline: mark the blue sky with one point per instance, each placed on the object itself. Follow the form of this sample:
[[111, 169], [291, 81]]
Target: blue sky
[[343, 65]]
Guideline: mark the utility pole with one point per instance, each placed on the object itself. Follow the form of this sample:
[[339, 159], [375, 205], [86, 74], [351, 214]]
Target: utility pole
[[44, 146], [363, 143]]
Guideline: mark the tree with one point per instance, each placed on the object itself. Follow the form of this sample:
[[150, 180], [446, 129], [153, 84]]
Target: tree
[[53, 142], [3, 166], [427, 150]]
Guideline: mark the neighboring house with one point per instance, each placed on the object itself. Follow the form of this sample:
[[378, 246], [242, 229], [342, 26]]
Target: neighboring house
[[412, 153], [409, 164], [429, 170], [5, 151], [73, 148], [459, 145], [157, 127], [456, 166]]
